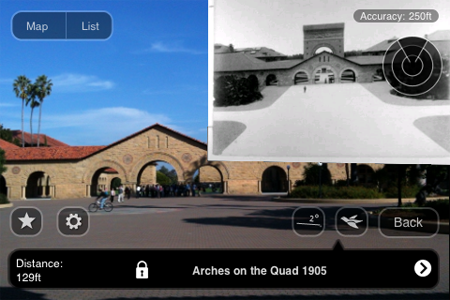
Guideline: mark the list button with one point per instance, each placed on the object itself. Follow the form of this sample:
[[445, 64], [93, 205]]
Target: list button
[[89, 25]]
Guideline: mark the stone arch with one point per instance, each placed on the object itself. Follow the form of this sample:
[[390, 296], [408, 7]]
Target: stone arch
[[36, 185], [92, 169], [254, 81], [210, 178], [274, 180], [157, 156], [270, 79], [3, 187], [355, 75], [299, 76], [334, 78], [221, 167], [28, 171], [323, 45], [378, 75]]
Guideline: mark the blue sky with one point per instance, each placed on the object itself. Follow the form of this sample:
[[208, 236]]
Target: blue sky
[[279, 24], [152, 69]]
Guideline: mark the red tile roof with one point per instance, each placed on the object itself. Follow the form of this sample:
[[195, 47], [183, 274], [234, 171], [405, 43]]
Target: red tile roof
[[27, 137], [7, 145], [79, 152], [51, 153]]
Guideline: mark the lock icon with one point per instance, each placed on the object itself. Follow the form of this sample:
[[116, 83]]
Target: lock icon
[[142, 272]]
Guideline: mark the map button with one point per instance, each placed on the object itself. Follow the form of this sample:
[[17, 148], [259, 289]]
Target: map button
[[39, 25], [352, 221]]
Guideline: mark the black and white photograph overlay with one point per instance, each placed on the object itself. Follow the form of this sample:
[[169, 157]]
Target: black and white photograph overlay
[[330, 81]]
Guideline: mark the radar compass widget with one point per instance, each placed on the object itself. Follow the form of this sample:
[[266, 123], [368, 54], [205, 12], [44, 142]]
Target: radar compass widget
[[412, 66]]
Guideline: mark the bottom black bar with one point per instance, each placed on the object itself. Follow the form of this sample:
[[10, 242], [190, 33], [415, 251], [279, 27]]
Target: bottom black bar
[[336, 268]]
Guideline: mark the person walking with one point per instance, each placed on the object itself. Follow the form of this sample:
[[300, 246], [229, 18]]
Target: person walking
[[138, 191], [113, 193], [304, 89], [120, 197], [128, 193]]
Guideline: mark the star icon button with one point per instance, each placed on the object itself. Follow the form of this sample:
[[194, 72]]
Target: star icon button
[[26, 221]]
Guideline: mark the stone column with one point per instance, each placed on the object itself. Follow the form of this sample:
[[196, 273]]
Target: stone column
[[225, 187]]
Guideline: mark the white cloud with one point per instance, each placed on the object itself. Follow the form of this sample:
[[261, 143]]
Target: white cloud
[[10, 104], [71, 82], [178, 89], [174, 47], [6, 81], [101, 126]]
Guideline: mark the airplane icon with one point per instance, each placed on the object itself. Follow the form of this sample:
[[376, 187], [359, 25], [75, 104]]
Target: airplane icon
[[352, 221]]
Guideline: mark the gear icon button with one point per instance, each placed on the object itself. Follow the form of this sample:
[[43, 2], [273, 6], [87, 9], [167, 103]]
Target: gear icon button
[[77, 221], [73, 221]]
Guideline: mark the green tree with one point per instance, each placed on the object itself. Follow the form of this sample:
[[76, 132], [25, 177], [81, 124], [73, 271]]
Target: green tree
[[172, 174], [116, 182], [20, 88], [43, 89], [231, 90], [32, 94], [2, 161], [162, 179], [6, 135], [311, 174]]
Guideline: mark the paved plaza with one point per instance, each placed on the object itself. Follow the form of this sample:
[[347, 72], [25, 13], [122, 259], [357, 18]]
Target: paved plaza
[[218, 222], [337, 122]]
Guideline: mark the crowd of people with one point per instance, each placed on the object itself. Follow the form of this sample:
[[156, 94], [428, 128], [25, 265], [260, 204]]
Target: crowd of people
[[174, 190], [155, 191]]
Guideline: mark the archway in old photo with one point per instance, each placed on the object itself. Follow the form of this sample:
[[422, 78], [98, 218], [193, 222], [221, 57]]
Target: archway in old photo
[[324, 74], [271, 79], [323, 49], [254, 82], [348, 76], [301, 77], [274, 180]]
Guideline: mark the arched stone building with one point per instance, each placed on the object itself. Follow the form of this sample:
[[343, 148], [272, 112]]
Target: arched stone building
[[325, 67], [77, 171]]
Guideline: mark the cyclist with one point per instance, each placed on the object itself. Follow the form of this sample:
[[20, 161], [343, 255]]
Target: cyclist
[[104, 196]]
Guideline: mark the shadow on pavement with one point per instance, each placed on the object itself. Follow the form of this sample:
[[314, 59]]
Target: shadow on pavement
[[271, 218], [8, 293]]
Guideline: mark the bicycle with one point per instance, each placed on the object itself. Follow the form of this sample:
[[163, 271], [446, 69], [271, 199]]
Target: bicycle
[[108, 206]]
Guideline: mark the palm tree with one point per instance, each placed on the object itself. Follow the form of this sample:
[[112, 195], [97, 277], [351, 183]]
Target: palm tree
[[21, 89], [32, 94], [44, 88]]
